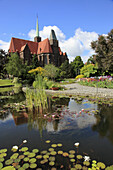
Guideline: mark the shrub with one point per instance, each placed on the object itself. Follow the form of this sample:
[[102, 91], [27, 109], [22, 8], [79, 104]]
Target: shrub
[[80, 76]]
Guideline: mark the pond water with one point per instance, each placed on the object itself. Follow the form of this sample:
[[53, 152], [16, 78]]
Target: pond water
[[63, 120]]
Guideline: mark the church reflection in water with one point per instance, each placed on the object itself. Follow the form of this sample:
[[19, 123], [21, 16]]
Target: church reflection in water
[[43, 115]]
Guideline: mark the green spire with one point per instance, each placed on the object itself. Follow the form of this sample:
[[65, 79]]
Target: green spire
[[37, 28]]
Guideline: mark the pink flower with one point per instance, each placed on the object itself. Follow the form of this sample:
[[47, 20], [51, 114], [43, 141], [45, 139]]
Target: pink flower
[[82, 110], [45, 115], [53, 116]]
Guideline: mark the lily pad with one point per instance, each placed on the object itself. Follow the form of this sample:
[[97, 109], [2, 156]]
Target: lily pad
[[59, 145], [26, 159], [47, 141], [52, 159], [60, 152], [33, 166], [14, 156], [2, 155], [35, 150], [43, 161], [24, 149], [79, 156], [71, 156], [54, 145], [39, 156], [3, 150], [8, 167], [51, 163], [43, 152], [72, 160], [72, 152], [78, 166], [26, 153], [21, 157], [1, 159], [31, 155], [17, 160], [46, 156], [33, 160], [53, 152], [51, 149], [1, 165], [8, 162], [101, 165], [25, 166], [86, 163], [65, 154]]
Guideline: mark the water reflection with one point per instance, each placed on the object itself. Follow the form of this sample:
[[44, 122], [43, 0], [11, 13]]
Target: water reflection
[[104, 122]]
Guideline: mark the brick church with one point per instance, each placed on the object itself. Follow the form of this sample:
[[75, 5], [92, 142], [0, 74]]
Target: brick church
[[47, 51]]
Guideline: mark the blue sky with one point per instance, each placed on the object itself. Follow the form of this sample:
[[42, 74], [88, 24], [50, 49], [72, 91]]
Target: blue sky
[[76, 22]]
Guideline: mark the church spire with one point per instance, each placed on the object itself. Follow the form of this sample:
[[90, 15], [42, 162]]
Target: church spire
[[37, 28], [37, 38]]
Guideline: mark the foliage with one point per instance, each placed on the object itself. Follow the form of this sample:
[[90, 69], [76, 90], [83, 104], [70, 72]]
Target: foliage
[[89, 70], [51, 71], [14, 66], [35, 62], [39, 82], [80, 76], [65, 70], [5, 82], [91, 60], [3, 61], [77, 64], [38, 70], [104, 51]]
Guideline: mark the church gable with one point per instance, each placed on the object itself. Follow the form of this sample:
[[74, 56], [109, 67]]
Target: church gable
[[44, 47]]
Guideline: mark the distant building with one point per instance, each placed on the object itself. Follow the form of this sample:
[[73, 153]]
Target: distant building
[[47, 51]]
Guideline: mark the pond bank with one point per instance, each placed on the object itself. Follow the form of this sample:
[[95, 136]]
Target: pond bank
[[77, 89]]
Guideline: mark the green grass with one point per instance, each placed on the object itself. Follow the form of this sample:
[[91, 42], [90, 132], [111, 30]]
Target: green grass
[[5, 82]]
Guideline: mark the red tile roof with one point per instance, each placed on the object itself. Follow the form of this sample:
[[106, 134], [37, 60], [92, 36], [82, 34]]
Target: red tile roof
[[44, 47], [16, 44]]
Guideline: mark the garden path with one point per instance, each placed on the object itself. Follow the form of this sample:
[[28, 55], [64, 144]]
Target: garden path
[[77, 89]]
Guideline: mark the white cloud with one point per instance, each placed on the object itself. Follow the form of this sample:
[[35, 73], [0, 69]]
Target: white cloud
[[4, 45], [76, 45]]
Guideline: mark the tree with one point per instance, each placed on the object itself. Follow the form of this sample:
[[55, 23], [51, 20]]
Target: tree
[[77, 64], [91, 60], [104, 52], [66, 70], [35, 62], [89, 70], [14, 66], [3, 61], [51, 71]]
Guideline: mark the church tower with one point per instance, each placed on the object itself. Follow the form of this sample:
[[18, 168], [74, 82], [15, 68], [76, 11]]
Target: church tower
[[37, 38]]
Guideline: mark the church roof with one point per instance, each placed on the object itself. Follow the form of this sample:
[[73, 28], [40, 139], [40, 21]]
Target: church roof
[[17, 44], [44, 47]]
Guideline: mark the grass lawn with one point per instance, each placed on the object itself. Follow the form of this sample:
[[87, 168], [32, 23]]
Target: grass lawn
[[5, 82]]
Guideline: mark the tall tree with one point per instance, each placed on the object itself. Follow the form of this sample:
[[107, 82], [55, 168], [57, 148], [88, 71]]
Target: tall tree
[[14, 66], [35, 62], [66, 70], [104, 52], [77, 64], [3, 61], [51, 71]]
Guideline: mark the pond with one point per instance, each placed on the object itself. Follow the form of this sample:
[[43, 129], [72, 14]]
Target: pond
[[59, 120]]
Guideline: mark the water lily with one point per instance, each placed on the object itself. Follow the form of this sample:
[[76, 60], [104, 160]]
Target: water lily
[[15, 147], [76, 144], [24, 141], [86, 158]]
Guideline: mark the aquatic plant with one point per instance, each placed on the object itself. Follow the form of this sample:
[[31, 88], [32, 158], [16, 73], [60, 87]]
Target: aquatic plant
[[44, 158]]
